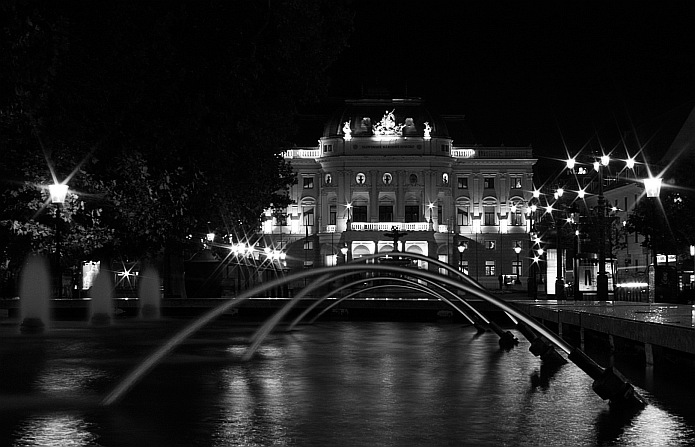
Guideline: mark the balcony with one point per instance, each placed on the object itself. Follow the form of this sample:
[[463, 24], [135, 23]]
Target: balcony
[[387, 226]]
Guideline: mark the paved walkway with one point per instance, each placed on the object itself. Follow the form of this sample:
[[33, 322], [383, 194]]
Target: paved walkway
[[682, 315], [667, 325]]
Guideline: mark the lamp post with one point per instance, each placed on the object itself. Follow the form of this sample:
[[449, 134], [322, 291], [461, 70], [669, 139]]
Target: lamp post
[[348, 224], [517, 250], [461, 248], [58, 193], [692, 259], [430, 206], [532, 285], [652, 187], [602, 277], [559, 278], [344, 251]]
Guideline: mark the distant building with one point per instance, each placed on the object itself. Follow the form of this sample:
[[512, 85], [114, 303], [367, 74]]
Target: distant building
[[390, 163]]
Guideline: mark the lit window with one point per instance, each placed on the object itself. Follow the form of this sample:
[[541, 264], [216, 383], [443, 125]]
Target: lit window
[[332, 213], [308, 245], [489, 268], [329, 179], [462, 182], [490, 215], [489, 245], [462, 215], [464, 267], [308, 182], [309, 217], [445, 178], [515, 183], [489, 182], [387, 178]]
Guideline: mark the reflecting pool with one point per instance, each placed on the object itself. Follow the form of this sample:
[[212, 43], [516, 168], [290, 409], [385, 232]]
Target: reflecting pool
[[335, 383]]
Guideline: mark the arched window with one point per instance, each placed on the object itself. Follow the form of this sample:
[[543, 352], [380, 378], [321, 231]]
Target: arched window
[[516, 211]]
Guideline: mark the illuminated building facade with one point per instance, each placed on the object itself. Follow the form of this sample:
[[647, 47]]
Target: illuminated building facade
[[388, 164]]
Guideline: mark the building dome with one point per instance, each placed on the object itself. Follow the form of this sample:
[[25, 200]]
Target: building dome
[[402, 117]]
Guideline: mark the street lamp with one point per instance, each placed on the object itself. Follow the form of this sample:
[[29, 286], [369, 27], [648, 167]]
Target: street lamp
[[559, 278], [430, 206], [348, 224], [58, 192], [652, 187], [461, 248], [517, 250], [532, 285], [602, 277]]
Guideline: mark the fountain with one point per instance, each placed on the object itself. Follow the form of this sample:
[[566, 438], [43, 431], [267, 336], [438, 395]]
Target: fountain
[[101, 305], [149, 293], [35, 294]]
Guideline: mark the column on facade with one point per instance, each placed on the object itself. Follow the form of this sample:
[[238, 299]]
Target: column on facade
[[374, 196], [426, 196], [476, 198], [399, 212], [344, 193]]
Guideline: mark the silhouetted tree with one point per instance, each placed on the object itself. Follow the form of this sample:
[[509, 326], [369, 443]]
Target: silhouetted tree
[[171, 115]]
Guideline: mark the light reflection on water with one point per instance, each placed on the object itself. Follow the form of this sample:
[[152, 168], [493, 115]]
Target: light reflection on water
[[347, 383]]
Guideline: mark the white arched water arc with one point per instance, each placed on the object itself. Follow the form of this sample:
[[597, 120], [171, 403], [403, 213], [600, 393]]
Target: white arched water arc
[[441, 265], [152, 360], [406, 281]]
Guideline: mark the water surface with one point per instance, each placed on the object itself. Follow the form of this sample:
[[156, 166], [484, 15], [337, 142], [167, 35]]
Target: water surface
[[334, 383]]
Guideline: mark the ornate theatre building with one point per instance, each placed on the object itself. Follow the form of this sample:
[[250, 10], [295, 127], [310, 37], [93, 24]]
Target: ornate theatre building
[[388, 165]]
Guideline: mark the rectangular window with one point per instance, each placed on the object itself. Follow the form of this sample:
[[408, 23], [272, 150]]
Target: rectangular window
[[489, 268], [328, 148], [462, 182], [490, 245], [308, 182], [359, 214], [464, 267], [489, 182], [462, 216], [490, 216], [281, 220], [385, 213], [308, 245], [308, 264], [332, 215], [516, 268], [330, 260], [309, 217], [515, 182], [516, 218], [445, 148], [411, 213]]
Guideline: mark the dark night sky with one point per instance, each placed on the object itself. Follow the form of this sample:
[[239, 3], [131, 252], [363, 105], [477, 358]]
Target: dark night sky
[[524, 72]]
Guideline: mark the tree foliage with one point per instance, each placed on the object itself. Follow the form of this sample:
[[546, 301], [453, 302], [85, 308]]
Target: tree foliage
[[166, 117]]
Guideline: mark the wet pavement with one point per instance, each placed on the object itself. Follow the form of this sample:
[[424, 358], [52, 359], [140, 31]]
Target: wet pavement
[[681, 315]]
